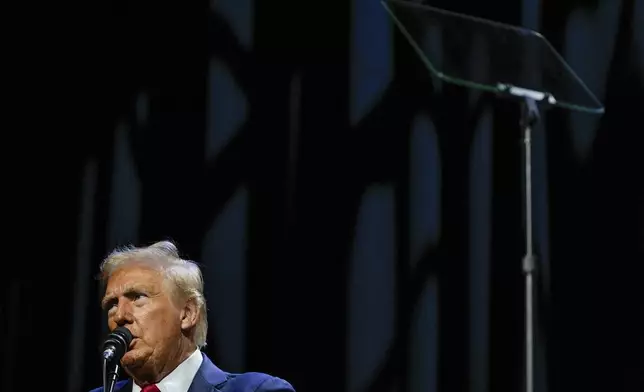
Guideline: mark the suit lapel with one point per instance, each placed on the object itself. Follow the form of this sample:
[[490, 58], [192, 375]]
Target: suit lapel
[[125, 387], [208, 377]]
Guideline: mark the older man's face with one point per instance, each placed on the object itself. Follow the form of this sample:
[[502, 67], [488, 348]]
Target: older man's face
[[137, 298]]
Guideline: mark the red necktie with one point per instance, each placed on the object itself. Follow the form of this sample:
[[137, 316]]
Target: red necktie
[[150, 388]]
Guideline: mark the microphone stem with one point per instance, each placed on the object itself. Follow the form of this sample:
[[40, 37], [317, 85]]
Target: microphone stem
[[110, 377]]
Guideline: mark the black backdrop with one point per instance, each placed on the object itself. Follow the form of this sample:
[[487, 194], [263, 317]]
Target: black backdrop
[[115, 152]]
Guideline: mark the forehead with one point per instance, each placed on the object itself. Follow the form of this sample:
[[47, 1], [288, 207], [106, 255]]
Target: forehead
[[133, 276]]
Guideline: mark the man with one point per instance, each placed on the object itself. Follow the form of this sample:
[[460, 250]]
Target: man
[[159, 298]]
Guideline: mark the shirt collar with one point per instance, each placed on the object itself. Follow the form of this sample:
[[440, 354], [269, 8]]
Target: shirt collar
[[181, 377]]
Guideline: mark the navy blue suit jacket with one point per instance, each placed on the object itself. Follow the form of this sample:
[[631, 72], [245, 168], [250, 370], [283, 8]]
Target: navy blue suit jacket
[[210, 378]]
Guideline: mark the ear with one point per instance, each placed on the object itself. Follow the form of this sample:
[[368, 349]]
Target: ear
[[189, 314]]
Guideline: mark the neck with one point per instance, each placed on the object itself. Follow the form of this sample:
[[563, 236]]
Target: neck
[[160, 368]]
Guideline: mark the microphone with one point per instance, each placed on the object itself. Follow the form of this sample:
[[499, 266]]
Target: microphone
[[117, 344], [114, 347]]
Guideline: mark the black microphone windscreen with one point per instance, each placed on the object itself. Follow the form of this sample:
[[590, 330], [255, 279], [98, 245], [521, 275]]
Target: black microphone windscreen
[[117, 343], [125, 334]]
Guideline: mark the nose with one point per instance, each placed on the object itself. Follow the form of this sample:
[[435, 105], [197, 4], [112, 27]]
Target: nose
[[122, 316]]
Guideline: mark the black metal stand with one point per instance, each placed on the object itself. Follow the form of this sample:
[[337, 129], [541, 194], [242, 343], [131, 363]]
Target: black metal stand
[[109, 375], [529, 119]]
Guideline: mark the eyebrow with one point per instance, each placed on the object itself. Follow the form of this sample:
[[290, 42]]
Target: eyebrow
[[124, 290]]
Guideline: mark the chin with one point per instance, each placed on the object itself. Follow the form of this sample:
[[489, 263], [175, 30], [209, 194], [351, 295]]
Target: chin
[[134, 359]]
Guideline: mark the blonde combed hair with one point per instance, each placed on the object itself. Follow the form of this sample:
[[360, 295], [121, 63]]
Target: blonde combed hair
[[185, 275]]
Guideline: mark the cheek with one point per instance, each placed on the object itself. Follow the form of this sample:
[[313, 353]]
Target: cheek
[[111, 323], [158, 323]]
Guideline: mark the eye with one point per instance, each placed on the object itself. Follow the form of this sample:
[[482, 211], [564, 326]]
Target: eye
[[138, 296], [110, 309], [110, 305]]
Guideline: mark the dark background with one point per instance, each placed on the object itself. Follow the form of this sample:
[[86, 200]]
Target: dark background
[[359, 231]]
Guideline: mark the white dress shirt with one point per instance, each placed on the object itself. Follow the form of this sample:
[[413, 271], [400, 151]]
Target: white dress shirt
[[179, 379]]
